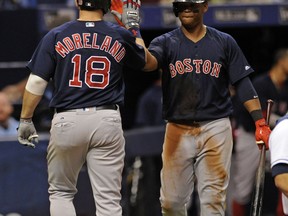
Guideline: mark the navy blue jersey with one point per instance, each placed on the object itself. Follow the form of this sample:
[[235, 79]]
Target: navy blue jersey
[[85, 61], [266, 90], [196, 76]]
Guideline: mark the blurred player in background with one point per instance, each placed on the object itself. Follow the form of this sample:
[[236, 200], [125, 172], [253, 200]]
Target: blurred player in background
[[149, 114], [271, 85], [15, 91], [8, 124], [278, 143], [149, 109], [198, 63], [84, 59]]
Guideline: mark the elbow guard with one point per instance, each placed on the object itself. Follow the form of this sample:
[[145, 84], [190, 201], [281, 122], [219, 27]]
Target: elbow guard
[[36, 85]]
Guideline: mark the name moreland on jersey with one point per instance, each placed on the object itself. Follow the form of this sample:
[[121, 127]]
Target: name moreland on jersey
[[88, 40]]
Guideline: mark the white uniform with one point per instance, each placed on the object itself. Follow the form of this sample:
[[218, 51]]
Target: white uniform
[[278, 144]]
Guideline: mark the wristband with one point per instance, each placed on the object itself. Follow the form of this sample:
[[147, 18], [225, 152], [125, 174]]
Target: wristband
[[26, 120], [135, 31], [256, 115]]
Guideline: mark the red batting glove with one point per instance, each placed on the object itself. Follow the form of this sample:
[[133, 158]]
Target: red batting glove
[[262, 133], [117, 10]]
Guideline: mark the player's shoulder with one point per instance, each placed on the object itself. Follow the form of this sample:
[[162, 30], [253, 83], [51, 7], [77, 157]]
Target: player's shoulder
[[58, 29], [63, 26], [114, 26], [218, 34], [117, 29], [106, 27], [174, 34]]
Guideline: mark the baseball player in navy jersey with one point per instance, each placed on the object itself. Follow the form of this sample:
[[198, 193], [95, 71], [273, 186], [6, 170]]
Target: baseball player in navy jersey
[[278, 143], [198, 63], [84, 59]]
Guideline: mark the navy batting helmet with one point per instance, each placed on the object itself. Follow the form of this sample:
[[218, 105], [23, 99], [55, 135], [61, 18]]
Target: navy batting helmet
[[94, 5], [176, 2]]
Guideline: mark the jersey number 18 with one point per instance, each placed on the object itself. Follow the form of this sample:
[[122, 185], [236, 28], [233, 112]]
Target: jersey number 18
[[91, 71]]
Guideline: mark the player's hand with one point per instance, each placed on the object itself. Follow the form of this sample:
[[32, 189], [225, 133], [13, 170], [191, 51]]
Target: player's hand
[[27, 134], [126, 12], [262, 133], [117, 10]]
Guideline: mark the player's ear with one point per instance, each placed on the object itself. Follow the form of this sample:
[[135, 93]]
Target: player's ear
[[205, 6]]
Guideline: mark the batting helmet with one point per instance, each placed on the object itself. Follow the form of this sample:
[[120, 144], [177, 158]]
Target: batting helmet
[[94, 5], [176, 2]]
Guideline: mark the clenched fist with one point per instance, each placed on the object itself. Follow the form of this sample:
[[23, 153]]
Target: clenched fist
[[262, 133], [27, 134]]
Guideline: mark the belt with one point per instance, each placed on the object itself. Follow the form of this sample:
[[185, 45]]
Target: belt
[[190, 124], [96, 108], [187, 122]]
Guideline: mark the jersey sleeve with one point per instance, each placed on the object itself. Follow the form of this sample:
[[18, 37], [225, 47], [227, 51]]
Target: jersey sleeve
[[156, 48], [43, 60], [238, 67], [135, 54]]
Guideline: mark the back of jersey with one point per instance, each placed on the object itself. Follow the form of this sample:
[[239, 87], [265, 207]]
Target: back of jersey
[[85, 60]]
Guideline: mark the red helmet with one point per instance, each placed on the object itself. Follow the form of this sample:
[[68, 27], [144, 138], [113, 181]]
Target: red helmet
[[94, 5]]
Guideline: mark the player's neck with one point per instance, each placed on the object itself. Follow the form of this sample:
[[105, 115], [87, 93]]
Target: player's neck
[[195, 34], [90, 15]]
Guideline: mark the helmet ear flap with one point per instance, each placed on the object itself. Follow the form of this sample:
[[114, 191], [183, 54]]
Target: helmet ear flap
[[175, 9]]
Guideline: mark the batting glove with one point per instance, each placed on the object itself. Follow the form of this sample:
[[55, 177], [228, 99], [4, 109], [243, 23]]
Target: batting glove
[[126, 13], [262, 133], [117, 10], [27, 134]]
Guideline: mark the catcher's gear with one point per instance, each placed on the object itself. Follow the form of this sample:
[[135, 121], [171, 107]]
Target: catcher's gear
[[181, 5], [262, 133], [128, 14], [94, 5], [27, 134]]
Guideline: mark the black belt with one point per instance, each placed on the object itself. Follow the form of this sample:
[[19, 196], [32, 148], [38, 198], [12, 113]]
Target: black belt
[[103, 107]]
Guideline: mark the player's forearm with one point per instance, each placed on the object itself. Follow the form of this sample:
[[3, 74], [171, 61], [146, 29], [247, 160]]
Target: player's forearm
[[281, 182], [151, 62], [252, 105], [30, 102], [248, 96], [34, 90]]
